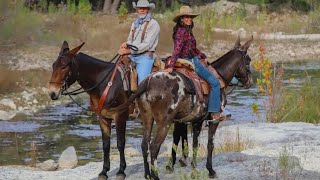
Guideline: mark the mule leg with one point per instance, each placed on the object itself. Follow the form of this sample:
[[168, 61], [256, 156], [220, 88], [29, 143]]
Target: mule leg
[[105, 126], [212, 131], [147, 122], [162, 131], [184, 145], [120, 122], [176, 139], [196, 129]]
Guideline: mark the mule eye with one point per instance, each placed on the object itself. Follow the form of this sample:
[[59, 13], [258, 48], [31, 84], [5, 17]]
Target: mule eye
[[64, 67]]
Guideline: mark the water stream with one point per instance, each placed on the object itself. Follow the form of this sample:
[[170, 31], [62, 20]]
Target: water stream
[[58, 127]]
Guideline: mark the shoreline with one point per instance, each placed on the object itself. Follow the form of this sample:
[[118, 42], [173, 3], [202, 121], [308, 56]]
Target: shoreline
[[261, 160]]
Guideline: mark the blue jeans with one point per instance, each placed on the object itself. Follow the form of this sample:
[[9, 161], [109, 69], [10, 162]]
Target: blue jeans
[[144, 65], [214, 96]]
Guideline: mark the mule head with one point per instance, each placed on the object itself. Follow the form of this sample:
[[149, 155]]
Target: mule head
[[61, 77], [243, 73]]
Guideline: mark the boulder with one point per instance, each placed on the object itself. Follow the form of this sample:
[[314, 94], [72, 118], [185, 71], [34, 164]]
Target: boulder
[[9, 103], [48, 165], [225, 7], [4, 115], [68, 158]]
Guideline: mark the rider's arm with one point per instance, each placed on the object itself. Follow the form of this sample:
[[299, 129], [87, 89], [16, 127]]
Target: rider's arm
[[200, 54], [179, 42]]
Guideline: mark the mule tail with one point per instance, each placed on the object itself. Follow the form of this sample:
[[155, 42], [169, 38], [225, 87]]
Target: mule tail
[[141, 89]]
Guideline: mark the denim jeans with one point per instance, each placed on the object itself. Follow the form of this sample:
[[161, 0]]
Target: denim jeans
[[144, 65], [214, 96]]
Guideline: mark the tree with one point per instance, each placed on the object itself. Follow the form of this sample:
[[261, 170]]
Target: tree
[[111, 6]]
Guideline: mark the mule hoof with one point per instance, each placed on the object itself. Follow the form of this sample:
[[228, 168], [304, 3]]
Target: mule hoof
[[169, 169], [147, 176], [195, 174], [102, 177], [212, 175], [183, 162], [120, 176]]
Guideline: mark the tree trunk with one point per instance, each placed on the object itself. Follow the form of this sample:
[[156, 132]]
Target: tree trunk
[[107, 6], [115, 5]]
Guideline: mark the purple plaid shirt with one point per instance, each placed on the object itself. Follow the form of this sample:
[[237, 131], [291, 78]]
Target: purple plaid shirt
[[183, 42]]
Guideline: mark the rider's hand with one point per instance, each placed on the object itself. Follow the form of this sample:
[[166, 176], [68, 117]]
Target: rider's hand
[[205, 62], [123, 51], [169, 70], [123, 45]]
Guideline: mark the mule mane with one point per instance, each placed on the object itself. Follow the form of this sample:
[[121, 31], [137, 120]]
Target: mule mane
[[226, 65], [92, 60]]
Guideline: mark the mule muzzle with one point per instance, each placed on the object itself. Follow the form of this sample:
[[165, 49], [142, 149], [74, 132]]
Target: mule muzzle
[[54, 93]]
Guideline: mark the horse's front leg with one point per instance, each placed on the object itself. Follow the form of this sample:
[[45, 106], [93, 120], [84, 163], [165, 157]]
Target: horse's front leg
[[196, 129], [120, 122], [212, 131], [105, 125]]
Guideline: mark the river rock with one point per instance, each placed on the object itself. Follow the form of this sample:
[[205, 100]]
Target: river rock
[[48, 165], [4, 115], [131, 152], [9, 103], [26, 95], [68, 158]]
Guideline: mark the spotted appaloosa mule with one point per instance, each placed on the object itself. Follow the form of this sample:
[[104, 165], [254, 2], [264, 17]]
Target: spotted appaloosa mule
[[163, 98], [94, 75]]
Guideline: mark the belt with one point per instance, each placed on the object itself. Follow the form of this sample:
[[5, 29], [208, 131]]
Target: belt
[[148, 52]]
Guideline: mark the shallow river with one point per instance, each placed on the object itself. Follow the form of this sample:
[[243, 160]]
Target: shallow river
[[58, 127]]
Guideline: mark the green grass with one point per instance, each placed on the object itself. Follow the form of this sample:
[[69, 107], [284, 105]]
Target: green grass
[[300, 105]]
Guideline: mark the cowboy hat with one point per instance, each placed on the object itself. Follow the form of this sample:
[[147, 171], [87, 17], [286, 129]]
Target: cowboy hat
[[144, 3], [184, 11]]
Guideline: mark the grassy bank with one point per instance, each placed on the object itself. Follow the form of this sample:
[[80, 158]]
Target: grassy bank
[[296, 105]]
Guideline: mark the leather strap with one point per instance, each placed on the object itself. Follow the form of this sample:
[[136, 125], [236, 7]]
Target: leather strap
[[106, 91], [144, 31]]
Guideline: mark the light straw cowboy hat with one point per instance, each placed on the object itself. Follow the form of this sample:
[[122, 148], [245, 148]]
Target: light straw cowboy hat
[[184, 11], [144, 3]]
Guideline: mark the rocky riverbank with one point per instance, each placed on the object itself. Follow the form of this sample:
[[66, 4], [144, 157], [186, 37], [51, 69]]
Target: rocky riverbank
[[276, 151]]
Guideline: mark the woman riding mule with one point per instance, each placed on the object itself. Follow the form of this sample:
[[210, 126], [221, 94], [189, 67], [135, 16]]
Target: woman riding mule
[[164, 98], [185, 48]]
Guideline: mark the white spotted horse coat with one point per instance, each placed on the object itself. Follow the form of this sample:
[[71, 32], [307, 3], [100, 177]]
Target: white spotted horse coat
[[168, 93]]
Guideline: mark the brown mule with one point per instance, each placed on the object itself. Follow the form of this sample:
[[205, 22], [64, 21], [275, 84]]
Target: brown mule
[[94, 76]]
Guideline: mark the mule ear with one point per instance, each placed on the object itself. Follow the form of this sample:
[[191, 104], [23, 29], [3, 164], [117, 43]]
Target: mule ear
[[64, 47], [237, 44], [246, 46], [74, 51]]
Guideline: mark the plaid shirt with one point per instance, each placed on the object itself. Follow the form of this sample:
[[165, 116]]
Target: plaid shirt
[[183, 42]]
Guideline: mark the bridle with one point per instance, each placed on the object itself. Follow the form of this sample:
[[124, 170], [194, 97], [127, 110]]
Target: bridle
[[247, 66]]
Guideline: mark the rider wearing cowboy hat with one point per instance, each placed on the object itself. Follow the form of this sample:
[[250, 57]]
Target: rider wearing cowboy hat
[[144, 34], [185, 47]]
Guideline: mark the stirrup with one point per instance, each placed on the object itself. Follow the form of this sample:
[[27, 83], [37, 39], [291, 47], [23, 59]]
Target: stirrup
[[214, 121]]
